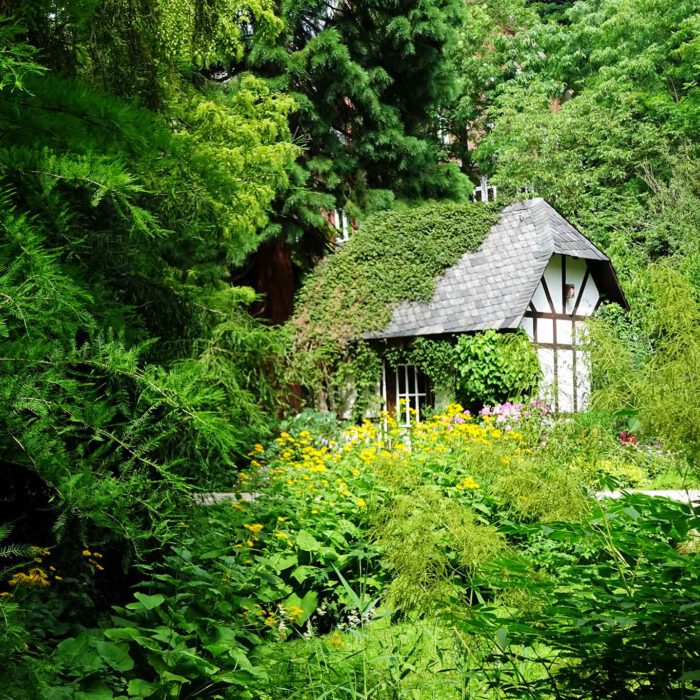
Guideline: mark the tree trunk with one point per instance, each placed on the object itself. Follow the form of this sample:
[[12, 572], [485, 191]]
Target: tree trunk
[[274, 281]]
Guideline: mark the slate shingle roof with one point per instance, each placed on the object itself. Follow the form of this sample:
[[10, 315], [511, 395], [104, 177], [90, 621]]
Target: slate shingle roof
[[492, 287]]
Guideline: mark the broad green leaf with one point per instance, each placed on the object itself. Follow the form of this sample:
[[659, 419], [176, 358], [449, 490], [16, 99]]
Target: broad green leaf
[[140, 688], [116, 655], [78, 655], [146, 602], [307, 542]]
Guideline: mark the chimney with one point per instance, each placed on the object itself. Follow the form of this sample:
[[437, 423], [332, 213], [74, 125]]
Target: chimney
[[484, 192]]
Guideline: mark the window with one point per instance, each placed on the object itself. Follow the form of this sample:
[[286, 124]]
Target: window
[[342, 225], [406, 393]]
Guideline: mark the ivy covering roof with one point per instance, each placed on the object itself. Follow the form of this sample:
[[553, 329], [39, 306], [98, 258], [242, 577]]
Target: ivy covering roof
[[396, 256], [492, 286]]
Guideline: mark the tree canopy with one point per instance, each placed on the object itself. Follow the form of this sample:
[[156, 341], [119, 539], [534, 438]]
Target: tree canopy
[[370, 85]]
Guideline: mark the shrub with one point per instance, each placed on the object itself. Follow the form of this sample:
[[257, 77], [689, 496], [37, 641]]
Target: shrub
[[613, 607], [495, 367]]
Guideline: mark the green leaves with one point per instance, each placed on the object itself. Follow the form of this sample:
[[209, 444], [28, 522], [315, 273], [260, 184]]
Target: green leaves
[[307, 604], [87, 653], [18, 60], [356, 290], [604, 622], [368, 80], [116, 656], [146, 602], [493, 367], [307, 542]]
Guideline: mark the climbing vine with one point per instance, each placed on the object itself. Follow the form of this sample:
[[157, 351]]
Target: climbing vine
[[483, 368], [494, 367], [434, 358], [396, 256]]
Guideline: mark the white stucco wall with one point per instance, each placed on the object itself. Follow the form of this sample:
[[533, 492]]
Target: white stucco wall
[[565, 365]]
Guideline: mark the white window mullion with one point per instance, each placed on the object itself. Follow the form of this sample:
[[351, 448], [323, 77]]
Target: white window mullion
[[417, 389], [398, 396], [407, 395]]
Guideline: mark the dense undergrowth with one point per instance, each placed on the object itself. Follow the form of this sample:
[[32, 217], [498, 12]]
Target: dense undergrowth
[[362, 562]]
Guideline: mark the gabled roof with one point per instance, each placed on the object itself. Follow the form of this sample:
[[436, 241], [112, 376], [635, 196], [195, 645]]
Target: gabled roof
[[492, 287]]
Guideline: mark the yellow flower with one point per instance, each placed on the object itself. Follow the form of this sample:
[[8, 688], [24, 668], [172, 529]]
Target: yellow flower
[[86, 553], [468, 483], [58, 578], [280, 519], [361, 503], [336, 640], [294, 612], [250, 543], [34, 578], [255, 527]]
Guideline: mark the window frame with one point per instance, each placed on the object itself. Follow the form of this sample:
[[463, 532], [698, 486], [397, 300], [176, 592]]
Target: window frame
[[420, 394]]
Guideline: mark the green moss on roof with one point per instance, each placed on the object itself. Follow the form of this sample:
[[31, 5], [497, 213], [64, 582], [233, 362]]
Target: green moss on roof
[[395, 256]]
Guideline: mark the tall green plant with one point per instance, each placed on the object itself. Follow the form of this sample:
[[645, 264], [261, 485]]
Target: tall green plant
[[494, 367], [612, 609], [649, 365], [130, 368]]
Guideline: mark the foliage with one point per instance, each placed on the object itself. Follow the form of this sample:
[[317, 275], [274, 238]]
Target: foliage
[[330, 531], [655, 384], [118, 318], [494, 367], [606, 613], [130, 369], [139, 166], [411, 659], [121, 422], [435, 358], [355, 290], [127, 49], [591, 111], [17, 59], [494, 47], [370, 82]]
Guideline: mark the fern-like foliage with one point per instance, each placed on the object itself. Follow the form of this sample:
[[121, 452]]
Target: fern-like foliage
[[130, 370]]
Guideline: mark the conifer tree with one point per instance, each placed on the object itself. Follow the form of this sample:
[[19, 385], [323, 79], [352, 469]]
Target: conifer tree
[[370, 83], [130, 370]]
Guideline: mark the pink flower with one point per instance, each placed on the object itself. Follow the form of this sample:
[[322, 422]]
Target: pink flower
[[628, 438]]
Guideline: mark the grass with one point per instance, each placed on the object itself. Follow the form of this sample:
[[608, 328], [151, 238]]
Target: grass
[[417, 659]]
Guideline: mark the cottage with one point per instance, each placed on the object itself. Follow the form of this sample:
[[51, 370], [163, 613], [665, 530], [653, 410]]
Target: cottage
[[534, 271]]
